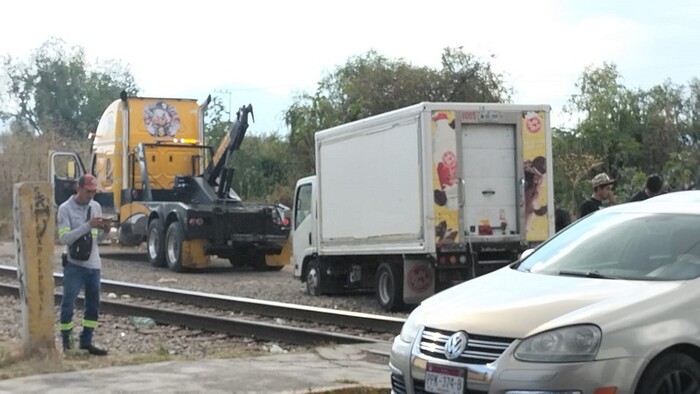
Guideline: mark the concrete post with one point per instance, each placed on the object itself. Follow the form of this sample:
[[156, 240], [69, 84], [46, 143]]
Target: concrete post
[[35, 224]]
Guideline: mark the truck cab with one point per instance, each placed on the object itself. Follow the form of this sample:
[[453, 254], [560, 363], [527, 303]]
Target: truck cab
[[304, 242]]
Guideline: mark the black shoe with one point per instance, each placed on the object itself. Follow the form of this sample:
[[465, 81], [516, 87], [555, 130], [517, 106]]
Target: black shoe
[[92, 349]]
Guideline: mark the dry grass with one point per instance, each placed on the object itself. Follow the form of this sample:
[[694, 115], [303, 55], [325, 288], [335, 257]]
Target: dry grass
[[25, 158], [6, 229], [356, 390], [14, 365]]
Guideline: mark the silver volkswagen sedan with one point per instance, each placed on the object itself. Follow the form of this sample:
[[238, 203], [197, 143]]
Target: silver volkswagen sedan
[[611, 305]]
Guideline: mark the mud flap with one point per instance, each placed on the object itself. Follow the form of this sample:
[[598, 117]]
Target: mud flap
[[193, 254], [418, 280], [282, 259]]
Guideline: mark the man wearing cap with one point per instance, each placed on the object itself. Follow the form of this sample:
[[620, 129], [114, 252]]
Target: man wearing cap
[[78, 216], [602, 190]]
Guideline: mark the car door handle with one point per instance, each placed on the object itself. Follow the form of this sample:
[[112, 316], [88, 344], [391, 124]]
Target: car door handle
[[488, 192], [309, 238]]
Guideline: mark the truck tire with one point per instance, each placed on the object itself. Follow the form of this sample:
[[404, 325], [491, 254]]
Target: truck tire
[[257, 261], [155, 243], [236, 262], [174, 238], [389, 287], [313, 279], [126, 238]]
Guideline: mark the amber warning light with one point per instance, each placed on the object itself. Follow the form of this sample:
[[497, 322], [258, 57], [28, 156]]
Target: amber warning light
[[185, 140]]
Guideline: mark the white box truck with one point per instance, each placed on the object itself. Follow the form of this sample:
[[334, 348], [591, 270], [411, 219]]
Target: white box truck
[[418, 199]]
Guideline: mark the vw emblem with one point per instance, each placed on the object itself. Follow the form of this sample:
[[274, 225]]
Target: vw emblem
[[454, 347]]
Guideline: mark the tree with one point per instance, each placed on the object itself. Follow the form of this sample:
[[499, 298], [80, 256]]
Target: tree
[[609, 124], [633, 132], [56, 90], [215, 126], [572, 167], [265, 169], [372, 84]]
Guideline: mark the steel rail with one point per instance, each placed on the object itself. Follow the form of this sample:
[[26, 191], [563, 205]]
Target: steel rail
[[234, 327], [366, 321]]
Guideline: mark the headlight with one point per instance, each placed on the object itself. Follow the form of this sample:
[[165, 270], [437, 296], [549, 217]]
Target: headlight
[[568, 344], [410, 327]]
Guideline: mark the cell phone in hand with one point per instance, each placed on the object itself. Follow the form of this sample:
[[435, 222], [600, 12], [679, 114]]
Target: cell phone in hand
[[107, 222]]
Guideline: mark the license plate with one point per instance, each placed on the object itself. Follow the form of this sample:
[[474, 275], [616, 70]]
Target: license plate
[[444, 380]]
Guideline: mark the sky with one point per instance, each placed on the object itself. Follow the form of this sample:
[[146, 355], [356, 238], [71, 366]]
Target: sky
[[265, 52]]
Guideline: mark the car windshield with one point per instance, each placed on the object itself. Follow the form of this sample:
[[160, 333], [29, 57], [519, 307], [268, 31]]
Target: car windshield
[[622, 246]]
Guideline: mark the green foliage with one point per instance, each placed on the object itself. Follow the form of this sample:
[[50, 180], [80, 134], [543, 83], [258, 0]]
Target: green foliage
[[56, 90], [55, 96], [572, 164], [25, 158], [607, 109], [265, 170], [372, 84], [264, 165], [629, 134], [215, 127]]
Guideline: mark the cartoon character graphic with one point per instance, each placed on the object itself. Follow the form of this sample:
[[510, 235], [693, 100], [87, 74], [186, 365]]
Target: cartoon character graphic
[[447, 169], [533, 122], [535, 171], [444, 235], [444, 153], [161, 119]]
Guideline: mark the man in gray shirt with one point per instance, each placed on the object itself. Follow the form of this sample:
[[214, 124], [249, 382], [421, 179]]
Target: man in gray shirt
[[78, 216]]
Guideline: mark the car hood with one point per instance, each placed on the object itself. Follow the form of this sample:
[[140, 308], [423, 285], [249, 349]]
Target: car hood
[[516, 304]]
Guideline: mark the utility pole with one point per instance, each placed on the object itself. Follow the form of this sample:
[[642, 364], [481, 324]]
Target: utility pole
[[228, 92]]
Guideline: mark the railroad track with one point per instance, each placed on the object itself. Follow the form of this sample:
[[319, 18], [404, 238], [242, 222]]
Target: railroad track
[[237, 327]]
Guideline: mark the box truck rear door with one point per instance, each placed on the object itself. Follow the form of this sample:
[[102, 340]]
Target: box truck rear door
[[489, 174]]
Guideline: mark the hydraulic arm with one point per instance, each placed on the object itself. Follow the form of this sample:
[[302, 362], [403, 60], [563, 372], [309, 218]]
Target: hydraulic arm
[[221, 166]]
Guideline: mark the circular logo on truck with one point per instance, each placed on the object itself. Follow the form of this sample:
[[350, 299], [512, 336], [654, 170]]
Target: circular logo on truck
[[419, 278], [161, 119], [533, 122]]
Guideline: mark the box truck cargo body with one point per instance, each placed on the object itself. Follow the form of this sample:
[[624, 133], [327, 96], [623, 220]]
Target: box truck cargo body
[[415, 200]]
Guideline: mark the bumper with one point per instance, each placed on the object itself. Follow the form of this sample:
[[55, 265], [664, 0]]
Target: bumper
[[267, 244], [507, 374]]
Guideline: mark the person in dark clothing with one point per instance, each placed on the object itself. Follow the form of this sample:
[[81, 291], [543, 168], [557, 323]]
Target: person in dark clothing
[[562, 217], [602, 191], [651, 189]]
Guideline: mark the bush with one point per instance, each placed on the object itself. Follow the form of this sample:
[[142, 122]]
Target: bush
[[24, 158]]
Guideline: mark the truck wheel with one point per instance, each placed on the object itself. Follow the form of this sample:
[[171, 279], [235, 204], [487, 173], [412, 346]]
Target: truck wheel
[[173, 246], [257, 261], [155, 241], [389, 289], [313, 279], [126, 238], [236, 261]]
